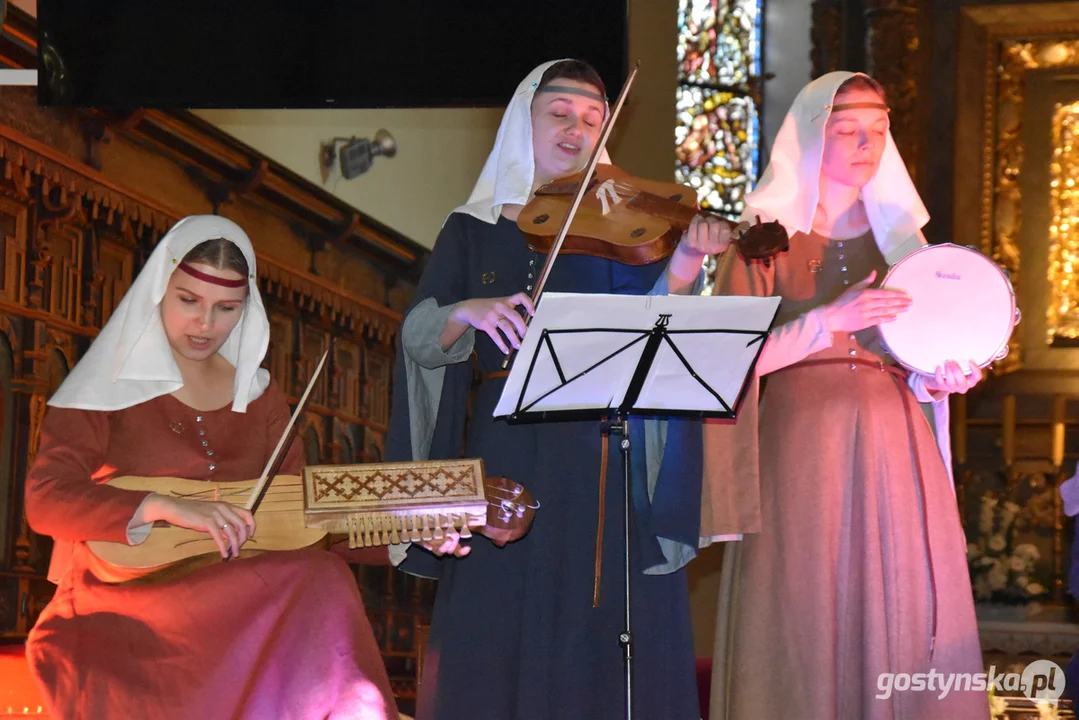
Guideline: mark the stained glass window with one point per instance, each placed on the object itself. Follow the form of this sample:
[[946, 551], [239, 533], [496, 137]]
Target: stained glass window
[[718, 130]]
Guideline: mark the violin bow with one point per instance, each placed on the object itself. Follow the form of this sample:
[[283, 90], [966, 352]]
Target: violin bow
[[582, 188], [278, 457]]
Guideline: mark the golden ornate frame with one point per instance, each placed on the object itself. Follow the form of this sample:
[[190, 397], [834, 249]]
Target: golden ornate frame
[[998, 46]]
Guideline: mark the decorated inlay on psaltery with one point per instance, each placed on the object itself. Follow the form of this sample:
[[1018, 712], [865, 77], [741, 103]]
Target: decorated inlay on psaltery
[[331, 484], [383, 503]]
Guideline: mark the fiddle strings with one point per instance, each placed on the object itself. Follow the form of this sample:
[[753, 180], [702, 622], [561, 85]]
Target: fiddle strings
[[586, 177], [626, 190]]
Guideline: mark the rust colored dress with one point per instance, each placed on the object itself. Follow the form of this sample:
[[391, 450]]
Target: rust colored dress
[[280, 635], [860, 563]]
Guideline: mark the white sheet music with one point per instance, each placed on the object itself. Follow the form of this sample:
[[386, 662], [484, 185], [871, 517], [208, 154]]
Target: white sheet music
[[591, 366]]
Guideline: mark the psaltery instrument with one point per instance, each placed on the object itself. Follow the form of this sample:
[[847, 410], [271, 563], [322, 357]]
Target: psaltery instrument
[[390, 503], [373, 504]]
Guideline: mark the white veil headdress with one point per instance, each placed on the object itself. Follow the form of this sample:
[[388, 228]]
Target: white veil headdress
[[131, 361], [508, 174], [789, 190]]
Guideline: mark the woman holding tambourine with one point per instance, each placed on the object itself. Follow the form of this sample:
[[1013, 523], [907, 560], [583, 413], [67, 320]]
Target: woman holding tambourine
[[859, 569]]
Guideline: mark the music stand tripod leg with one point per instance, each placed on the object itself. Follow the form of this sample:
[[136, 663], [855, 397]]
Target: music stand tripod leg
[[621, 427]]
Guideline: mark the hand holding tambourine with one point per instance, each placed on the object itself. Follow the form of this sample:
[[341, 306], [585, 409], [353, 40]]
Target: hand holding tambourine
[[962, 314]]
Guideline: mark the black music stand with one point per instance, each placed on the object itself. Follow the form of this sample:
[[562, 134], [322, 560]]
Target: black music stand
[[587, 357]]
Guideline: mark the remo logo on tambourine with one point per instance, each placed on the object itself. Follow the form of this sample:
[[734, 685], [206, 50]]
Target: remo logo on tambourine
[[963, 309]]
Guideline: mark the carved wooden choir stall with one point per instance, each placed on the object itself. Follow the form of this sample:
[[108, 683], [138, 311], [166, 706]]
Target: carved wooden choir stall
[[84, 197]]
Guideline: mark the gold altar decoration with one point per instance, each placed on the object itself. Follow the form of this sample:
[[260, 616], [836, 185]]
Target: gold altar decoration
[[999, 46], [1063, 306]]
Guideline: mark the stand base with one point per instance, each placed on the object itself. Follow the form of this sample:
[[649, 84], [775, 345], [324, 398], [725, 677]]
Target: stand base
[[625, 638]]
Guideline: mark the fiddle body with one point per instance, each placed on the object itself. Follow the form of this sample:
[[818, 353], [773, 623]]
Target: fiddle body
[[630, 220]]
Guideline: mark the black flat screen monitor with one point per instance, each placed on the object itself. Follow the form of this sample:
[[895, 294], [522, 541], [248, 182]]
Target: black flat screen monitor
[[315, 53]]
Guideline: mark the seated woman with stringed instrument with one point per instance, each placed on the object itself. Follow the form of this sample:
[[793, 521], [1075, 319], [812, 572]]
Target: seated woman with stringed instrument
[[172, 388]]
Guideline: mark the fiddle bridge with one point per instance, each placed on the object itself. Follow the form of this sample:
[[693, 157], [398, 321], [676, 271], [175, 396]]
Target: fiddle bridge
[[377, 504]]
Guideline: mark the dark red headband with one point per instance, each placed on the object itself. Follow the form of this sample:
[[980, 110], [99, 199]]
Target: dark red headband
[[213, 279], [861, 105]]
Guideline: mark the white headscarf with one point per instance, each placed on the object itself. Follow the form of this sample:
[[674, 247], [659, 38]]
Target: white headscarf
[[789, 188], [131, 361], [510, 169]]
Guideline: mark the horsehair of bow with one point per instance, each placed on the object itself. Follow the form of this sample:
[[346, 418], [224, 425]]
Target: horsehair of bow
[[269, 470]]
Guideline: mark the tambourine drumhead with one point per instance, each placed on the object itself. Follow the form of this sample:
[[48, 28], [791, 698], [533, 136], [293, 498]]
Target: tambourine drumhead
[[963, 309]]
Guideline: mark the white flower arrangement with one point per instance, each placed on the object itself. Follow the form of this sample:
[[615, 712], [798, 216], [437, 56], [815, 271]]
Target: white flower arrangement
[[999, 707], [1000, 570]]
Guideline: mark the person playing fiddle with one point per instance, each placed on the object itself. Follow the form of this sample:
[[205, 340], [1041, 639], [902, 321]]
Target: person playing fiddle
[[172, 388], [514, 633]]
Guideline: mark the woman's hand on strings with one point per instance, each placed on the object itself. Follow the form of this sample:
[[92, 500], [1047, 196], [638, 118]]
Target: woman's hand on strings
[[950, 378], [450, 545], [707, 235], [229, 525], [861, 307], [498, 317]]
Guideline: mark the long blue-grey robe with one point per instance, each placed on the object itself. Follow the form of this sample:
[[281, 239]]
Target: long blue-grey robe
[[514, 635]]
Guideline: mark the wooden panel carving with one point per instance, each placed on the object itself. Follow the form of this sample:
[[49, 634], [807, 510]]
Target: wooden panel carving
[[112, 278], [282, 347], [374, 445], [313, 343], [826, 35], [346, 377], [344, 445], [895, 58], [63, 248], [7, 415], [378, 368], [312, 440], [31, 550], [13, 250], [56, 370], [998, 46]]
